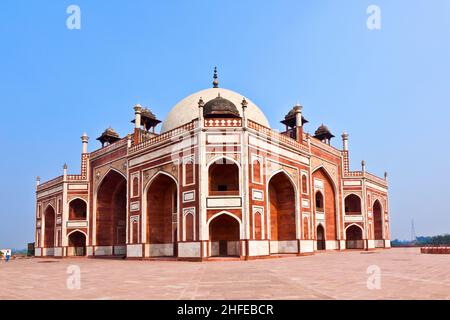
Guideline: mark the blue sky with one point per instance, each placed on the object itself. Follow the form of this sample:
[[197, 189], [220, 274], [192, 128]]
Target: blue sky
[[388, 88]]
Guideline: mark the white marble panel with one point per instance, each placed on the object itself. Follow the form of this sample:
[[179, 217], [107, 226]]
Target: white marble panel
[[223, 202], [77, 187], [103, 250], [189, 249], [135, 206], [258, 195], [77, 224], [258, 248], [58, 252], [352, 183], [331, 245], [188, 196], [353, 218], [161, 250], [134, 250], [285, 246], [306, 246], [219, 138], [233, 248]]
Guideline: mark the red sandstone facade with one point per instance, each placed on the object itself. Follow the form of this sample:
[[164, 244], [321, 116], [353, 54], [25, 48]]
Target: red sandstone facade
[[220, 184]]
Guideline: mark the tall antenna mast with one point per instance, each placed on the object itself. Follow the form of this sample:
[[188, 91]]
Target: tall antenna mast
[[413, 232]]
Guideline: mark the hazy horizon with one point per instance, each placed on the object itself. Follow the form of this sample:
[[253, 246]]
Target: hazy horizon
[[387, 88]]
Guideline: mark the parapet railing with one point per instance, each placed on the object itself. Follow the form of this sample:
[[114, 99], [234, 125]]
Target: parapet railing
[[360, 174], [375, 178], [50, 183], [354, 174], [276, 135], [316, 142], [145, 135], [163, 136], [111, 147]]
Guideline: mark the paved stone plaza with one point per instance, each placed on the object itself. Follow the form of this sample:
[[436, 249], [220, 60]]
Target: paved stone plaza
[[405, 274]]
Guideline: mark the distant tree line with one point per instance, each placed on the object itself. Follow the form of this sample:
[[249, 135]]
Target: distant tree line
[[439, 240]]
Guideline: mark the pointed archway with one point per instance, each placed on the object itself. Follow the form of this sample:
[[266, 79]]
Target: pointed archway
[[353, 236], [224, 236], [77, 244], [49, 228], [162, 209], [282, 209], [320, 237], [352, 204], [77, 209], [112, 213], [326, 195], [223, 176], [378, 224]]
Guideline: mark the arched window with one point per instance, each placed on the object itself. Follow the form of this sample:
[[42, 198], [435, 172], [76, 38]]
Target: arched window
[[256, 171], [305, 228], [189, 172], [77, 210], [378, 220], [135, 186], [223, 178], [258, 225], [319, 201], [304, 185], [352, 204], [49, 227], [321, 244], [189, 227], [135, 232]]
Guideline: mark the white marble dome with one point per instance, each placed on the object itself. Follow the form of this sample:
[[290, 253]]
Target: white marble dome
[[187, 109]]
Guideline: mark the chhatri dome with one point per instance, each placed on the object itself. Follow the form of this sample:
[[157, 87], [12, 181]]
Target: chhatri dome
[[187, 109]]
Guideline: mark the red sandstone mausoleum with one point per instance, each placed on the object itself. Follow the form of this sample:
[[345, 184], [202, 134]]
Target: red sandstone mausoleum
[[216, 181]]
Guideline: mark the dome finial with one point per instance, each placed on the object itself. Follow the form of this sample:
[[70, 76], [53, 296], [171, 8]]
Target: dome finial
[[215, 81]]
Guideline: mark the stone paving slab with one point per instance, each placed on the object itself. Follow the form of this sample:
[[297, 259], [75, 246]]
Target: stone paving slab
[[404, 274]]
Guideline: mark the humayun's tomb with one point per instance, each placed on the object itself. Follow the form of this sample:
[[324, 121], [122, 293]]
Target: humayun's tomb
[[216, 181]]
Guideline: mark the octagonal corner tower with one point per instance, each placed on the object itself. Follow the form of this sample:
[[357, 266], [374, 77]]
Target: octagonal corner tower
[[187, 109]]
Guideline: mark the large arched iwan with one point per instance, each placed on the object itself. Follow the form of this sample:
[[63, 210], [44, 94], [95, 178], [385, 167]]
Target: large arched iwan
[[330, 203], [111, 210], [282, 208], [161, 206]]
